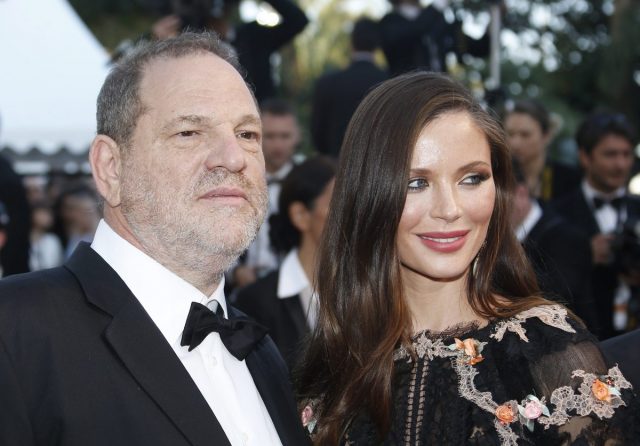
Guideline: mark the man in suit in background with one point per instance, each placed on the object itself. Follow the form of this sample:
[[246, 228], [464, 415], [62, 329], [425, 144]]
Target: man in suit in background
[[14, 258], [624, 350], [117, 347], [337, 95], [601, 207], [560, 256]]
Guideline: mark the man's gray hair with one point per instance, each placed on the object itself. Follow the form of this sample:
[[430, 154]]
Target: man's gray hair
[[119, 104]]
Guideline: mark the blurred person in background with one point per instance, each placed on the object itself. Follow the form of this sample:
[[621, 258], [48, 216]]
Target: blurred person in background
[[46, 248], [284, 300], [4, 223], [336, 95], [416, 37], [604, 211], [529, 130], [281, 136], [14, 258], [254, 43], [560, 256], [76, 216]]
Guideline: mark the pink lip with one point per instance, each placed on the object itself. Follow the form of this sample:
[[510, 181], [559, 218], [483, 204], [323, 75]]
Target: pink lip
[[232, 193], [444, 241]]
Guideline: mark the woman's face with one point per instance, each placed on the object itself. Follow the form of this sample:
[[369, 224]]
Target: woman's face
[[525, 137], [450, 198]]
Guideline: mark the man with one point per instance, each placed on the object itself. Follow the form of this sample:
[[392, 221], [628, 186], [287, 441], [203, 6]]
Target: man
[[281, 136], [4, 222], [14, 258], [337, 95], [98, 352], [254, 43], [560, 256], [414, 37], [601, 207]]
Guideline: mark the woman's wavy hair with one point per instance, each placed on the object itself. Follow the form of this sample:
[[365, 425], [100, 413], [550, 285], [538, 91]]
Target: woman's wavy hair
[[363, 316]]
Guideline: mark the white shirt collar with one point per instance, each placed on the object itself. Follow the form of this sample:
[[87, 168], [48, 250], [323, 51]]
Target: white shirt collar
[[590, 192], [292, 279], [165, 296], [280, 173], [535, 213]]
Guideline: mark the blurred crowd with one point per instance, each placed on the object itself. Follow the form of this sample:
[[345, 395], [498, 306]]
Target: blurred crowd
[[578, 223]]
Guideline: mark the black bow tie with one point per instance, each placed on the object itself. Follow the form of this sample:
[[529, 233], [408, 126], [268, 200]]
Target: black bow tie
[[239, 336], [616, 203]]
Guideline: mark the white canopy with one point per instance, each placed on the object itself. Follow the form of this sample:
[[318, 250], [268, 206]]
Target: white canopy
[[51, 70]]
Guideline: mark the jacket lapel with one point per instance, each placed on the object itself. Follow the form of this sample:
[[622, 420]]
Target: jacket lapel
[[271, 377], [139, 344], [293, 308]]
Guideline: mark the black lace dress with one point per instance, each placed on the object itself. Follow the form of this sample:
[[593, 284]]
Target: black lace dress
[[537, 378]]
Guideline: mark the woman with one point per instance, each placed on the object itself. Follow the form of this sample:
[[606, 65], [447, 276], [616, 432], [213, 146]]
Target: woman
[[529, 131], [431, 328], [284, 300]]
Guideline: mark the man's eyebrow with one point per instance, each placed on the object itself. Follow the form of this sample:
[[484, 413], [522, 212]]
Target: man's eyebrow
[[188, 119], [251, 119]]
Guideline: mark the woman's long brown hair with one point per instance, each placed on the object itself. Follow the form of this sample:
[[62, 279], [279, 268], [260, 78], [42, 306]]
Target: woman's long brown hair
[[363, 316]]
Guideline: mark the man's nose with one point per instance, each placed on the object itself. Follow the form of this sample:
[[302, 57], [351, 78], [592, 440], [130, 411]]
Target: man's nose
[[225, 151]]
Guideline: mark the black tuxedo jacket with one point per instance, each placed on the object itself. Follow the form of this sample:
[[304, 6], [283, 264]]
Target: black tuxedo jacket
[[335, 98], [285, 318], [81, 363], [604, 278], [561, 258], [624, 350]]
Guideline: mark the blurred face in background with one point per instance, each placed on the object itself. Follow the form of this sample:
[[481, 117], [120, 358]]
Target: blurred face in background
[[609, 164], [525, 137], [281, 136]]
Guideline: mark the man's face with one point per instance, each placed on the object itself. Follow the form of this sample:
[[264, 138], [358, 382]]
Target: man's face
[[281, 136], [193, 185], [608, 166]]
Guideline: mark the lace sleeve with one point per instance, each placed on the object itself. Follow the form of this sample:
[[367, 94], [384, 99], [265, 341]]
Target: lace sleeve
[[589, 403]]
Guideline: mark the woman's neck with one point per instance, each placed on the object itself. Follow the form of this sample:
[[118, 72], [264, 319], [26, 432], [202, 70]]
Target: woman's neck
[[437, 305]]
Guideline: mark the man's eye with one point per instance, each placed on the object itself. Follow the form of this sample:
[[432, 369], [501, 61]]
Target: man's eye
[[187, 133], [252, 136], [417, 184]]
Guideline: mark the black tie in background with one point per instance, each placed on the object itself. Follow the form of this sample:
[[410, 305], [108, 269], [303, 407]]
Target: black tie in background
[[239, 336], [616, 203]]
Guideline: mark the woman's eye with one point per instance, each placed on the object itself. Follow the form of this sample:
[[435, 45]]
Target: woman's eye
[[417, 184], [475, 179]]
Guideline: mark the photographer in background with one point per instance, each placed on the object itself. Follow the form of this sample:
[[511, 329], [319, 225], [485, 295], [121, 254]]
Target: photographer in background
[[414, 37], [254, 43], [601, 208]]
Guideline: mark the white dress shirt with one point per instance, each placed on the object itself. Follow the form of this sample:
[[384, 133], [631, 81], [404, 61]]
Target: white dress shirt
[[523, 230], [607, 216], [292, 280], [224, 381], [260, 254]]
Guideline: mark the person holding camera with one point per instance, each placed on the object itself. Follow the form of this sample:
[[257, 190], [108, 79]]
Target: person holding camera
[[253, 42], [602, 208]]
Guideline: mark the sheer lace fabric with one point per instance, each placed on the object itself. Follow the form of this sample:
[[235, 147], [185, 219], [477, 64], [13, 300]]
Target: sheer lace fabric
[[536, 378]]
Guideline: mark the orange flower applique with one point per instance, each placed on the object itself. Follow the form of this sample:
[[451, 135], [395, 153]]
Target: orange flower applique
[[470, 348], [505, 414], [601, 391]]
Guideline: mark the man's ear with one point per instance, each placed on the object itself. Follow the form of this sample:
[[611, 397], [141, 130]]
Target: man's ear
[[106, 166], [584, 159]]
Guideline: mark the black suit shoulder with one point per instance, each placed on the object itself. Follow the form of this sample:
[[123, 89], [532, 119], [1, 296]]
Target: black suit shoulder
[[259, 295]]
